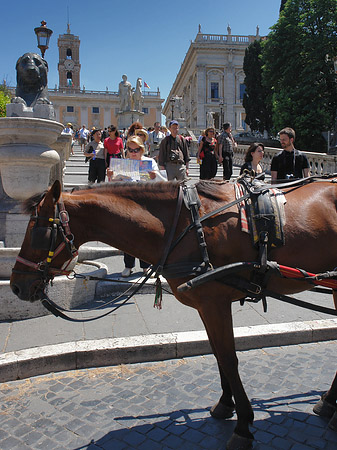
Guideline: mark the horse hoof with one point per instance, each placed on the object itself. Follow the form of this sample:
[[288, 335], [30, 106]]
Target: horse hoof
[[333, 422], [221, 411], [237, 442], [324, 409]]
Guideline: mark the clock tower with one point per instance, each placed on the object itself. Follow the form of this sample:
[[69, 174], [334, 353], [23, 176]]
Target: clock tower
[[69, 61]]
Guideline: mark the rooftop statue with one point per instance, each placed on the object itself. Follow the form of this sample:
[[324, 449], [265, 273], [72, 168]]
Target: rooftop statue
[[125, 94]]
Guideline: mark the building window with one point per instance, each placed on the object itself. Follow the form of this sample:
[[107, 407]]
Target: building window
[[145, 110], [242, 90], [69, 79], [95, 110], [214, 90], [69, 53], [70, 109]]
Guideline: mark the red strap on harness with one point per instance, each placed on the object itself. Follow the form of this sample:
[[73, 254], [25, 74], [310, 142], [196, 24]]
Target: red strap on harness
[[290, 272]]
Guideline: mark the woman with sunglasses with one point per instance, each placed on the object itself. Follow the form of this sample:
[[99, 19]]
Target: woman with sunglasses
[[135, 151], [113, 145]]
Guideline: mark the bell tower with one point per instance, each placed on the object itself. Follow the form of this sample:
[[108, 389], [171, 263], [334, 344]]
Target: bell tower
[[69, 61]]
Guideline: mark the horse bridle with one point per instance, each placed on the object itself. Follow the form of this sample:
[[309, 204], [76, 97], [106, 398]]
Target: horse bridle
[[45, 238]]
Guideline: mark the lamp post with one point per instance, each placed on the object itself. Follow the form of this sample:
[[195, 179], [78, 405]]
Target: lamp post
[[221, 114], [172, 100], [335, 67], [43, 35]]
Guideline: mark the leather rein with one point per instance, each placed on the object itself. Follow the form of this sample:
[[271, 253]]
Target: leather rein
[[58, 226]]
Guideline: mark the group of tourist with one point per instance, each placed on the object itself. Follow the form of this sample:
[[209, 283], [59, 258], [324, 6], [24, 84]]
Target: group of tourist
[[286, 165], [169, 157]]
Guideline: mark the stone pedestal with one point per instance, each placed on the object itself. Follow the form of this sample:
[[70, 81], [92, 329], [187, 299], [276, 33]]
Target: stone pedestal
[[40, 110], [25, 154], [63, 148], [126, 118]]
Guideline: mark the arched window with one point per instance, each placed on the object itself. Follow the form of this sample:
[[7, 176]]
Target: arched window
[[69, 79], [69, 53]]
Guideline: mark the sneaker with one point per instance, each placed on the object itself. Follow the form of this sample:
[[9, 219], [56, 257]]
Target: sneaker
[[126, 272]]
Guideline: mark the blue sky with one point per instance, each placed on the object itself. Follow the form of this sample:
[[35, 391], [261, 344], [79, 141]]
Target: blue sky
[[147, 39]]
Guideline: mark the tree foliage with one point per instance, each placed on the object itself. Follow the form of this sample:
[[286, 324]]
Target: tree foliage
[[283, 2], [255, 102], [298, 72], [4, 99]]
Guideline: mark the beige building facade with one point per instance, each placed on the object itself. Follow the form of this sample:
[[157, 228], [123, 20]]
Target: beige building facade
[[92, 108], [210, 84]]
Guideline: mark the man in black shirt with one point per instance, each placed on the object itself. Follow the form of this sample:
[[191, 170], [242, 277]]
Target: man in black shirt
[[289, 164]]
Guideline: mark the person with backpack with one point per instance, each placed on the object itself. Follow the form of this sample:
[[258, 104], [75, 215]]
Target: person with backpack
[[173, 154]]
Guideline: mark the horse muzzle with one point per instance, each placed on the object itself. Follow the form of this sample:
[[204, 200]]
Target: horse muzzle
[[28, 292]]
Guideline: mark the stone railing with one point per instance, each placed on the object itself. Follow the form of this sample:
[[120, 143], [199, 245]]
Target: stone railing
[[320, 163], [225, 38]]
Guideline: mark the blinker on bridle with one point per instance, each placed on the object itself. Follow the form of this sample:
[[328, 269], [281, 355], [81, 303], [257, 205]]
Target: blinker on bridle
[[44, 238]]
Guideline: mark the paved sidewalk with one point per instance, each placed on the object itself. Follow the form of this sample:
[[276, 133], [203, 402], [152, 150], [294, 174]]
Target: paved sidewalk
[[139, 332], [165, 405]]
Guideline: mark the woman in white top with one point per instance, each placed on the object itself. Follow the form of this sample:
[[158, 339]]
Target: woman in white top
[[135, 150]]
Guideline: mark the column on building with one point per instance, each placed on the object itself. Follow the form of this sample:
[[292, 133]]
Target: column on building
[[201, 95]]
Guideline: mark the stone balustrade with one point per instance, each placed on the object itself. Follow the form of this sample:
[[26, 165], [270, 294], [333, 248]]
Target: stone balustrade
[[225, 38]]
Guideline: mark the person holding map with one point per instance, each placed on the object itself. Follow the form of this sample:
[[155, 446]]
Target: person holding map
[[138, 168], [147, 169]]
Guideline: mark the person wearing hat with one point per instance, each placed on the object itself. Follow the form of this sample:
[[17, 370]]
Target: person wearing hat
[[173, 154], [68, 129]]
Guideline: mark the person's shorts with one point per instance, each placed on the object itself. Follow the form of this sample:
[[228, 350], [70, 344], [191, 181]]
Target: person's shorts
[[83, 141]]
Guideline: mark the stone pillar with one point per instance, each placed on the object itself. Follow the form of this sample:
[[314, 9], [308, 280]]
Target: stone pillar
[[201, 96]]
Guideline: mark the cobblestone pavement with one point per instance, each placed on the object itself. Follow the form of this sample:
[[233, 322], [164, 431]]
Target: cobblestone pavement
[[165, 405]]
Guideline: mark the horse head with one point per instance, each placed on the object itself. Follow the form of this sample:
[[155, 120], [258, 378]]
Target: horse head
[[47, 246]]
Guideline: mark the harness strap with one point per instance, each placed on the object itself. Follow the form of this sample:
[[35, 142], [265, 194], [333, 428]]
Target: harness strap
[[58, 311], [168, 247]]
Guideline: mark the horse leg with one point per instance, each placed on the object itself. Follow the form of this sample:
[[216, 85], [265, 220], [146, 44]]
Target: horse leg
[[225, 407], [217, 318], [327, 405]]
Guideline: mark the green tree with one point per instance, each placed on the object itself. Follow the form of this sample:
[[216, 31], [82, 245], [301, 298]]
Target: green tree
[[298, 72], [4, 99], [283, 2], [255, 100]]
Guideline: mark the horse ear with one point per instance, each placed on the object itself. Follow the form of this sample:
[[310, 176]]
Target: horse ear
[[56, 190]]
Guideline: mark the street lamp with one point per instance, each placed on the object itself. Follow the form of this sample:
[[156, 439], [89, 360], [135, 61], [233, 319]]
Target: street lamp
[[172, 101], [43, 35], [221, 114]]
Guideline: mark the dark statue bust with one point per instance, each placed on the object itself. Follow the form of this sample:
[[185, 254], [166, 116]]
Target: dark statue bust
[[31, 76]]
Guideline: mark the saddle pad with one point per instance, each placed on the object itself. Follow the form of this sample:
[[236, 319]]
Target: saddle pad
[[278, 201]]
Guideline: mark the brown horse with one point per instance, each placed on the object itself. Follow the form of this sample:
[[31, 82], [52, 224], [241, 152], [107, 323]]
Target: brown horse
[[137, 218]]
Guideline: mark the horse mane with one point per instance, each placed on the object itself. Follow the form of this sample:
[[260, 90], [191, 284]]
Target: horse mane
[[159, 186], [29, 205], [206, 188]]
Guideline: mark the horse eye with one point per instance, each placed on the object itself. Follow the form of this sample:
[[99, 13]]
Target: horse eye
[[37, 62]]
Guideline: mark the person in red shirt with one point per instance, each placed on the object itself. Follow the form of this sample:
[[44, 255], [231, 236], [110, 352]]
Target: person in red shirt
[[113, 145]]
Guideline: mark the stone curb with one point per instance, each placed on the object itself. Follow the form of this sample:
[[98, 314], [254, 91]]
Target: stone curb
[[156, 347]]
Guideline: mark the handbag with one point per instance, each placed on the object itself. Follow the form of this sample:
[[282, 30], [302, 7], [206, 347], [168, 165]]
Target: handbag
[[90, 150], [201, 155]]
